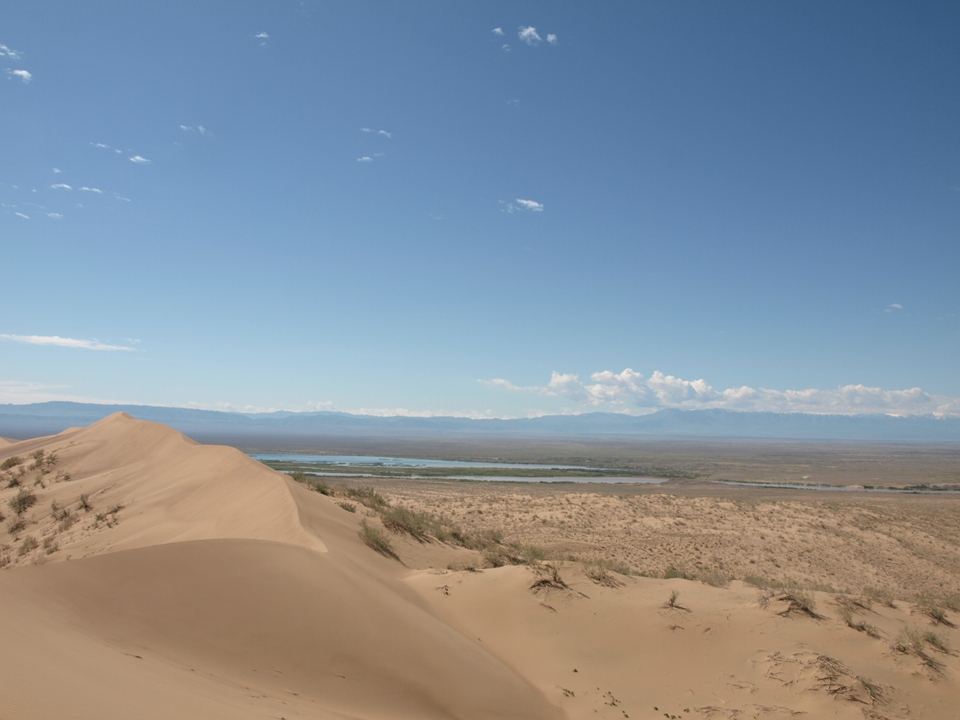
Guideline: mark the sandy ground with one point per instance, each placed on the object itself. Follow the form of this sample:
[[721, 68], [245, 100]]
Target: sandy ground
[[152, 577], [907, 545]]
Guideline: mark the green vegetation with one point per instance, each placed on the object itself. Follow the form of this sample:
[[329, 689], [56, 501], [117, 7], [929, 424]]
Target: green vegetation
[[23, 501], [11, 462], [368, 497], [377, 540], [29, 543]]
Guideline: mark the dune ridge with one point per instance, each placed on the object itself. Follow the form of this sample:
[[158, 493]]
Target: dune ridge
[[198, 583]]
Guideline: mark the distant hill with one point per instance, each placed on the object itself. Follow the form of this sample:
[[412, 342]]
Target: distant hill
[[23, 421]]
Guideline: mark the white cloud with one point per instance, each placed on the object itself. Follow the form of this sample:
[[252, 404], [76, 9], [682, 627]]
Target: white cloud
[[529, 205], [529, 35], [261, 36], [139, 160], [101, 146], [57, 171], [365, 159], [506, 47], [9, 52], [627, 391], [20, 214], [892, 307], [62, 342], [93, 190], [118, 196], [22, 74], [552, 39], [186, 128], [55, 216], [61, 186], [384, 133], [497, 31]]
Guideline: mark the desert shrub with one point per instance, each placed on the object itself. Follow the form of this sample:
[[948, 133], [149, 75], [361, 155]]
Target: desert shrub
[[933, 609], [66, 523], [349, 507], [62, 476], [881, 596], [321, 487], [797, 601], [672, 604], [599, 574], [483, 540], [16, 525], [377, 540], [11, 462], [23, 501], [58, 512], [548, 578], [910, 641], [714, 578], [874, 690], [935, 641], [762, 583], [29, 544], [496, 556], [403, 520], [84, 503], [315, 484], [846, 614], [50, 545], [672, 572], [13, 480], [369, 497], [513, 554]]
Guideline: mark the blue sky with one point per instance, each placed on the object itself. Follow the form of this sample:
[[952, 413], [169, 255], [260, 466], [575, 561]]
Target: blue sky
[[489, 209]]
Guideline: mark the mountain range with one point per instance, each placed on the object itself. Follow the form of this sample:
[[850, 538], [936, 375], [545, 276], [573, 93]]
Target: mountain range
[[33, 420]]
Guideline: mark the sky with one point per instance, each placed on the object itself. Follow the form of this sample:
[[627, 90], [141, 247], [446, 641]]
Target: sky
[[496, 209]]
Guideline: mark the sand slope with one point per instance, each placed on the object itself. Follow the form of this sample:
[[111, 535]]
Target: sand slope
[[258, 618], [201, 584]]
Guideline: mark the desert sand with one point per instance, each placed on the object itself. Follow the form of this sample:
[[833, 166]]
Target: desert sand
[[153, 577]]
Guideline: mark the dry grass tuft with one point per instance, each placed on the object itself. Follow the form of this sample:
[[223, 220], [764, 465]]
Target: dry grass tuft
[[599, 574], [911, 641], [672, 604], [549, 579]]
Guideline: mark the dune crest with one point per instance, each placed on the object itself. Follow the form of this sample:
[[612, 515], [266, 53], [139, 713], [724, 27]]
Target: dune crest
[[200, 584], [164, 487]]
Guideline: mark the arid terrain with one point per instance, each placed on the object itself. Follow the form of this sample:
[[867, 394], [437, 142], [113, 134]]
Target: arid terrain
[[147, 576]]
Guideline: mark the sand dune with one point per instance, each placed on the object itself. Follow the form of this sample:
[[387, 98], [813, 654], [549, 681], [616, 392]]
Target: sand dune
[[201, 584]]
